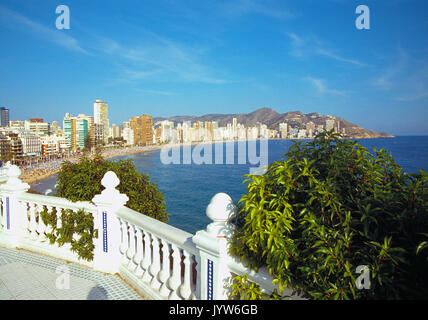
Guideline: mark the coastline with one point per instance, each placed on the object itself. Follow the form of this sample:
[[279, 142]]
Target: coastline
[[38, 175]]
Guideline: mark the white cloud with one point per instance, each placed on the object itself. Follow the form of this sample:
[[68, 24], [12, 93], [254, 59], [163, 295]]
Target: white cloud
[[160, 59], [59, 37], [322, 88], [405, 79], [312, 46], [330, 54]]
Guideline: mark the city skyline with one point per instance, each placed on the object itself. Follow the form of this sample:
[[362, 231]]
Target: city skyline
[[167, 59]]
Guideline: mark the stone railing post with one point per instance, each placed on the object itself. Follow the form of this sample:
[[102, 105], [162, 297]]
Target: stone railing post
[[14, 214], [212, 244], [107, 254]]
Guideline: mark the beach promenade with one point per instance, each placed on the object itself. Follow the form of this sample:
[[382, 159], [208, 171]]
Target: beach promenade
[[43, 170]]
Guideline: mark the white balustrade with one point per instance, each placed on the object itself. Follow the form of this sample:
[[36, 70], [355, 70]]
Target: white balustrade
[[130, 253], [32, 226], [124, 245], [41, 228], [147, 260], [3, 216], [165, 272], [139, 255], [174, 282], [159, 260]]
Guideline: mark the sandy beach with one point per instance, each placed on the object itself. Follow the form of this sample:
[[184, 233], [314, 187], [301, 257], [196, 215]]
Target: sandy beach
[[32, 175]]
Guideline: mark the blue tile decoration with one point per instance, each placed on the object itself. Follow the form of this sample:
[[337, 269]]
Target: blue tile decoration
[[7, 214], [105, 246], [210, 280]]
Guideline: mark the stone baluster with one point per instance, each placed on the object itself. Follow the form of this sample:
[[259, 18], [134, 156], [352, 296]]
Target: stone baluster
[[3, 223], [25, 222], [197, 288], [155, 266], [49, 228], [41, 226], [132, 247], [32, 227], [124, 242], [212, 244], [147, 260], [165, 272], [138, 257], [174, 281], [186, 287]]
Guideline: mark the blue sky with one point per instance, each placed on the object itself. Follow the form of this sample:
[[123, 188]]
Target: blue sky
[[189, 57]]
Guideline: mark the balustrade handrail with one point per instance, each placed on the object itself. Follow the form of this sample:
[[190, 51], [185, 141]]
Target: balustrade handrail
[[57, 202], [164, 231], [261, 277], [162, 261]]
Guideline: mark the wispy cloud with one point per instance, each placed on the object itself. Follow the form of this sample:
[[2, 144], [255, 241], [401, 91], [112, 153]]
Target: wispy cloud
[[313, 46], [331, 54], [322, 88], [16, 20], [157, 58], [405, 79]]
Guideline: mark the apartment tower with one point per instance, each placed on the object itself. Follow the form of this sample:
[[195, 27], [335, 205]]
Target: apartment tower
[[143, 130], [101, 118]]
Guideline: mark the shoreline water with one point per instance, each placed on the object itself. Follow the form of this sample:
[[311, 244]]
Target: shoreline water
[[37, 175]]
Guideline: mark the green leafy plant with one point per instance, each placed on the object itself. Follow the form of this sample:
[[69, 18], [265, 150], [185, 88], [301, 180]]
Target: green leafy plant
[[245, 290], [328, 207], [81, 181], [77, 229]]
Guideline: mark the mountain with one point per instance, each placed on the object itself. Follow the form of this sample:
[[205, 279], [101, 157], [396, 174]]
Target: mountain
[[272, 119]]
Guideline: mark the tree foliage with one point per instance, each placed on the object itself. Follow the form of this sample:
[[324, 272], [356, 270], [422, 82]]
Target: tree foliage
[[328, 207], [81, 181]]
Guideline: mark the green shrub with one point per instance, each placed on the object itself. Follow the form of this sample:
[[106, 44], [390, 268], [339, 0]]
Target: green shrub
[[329, 207], [80, 224], [81, 181]]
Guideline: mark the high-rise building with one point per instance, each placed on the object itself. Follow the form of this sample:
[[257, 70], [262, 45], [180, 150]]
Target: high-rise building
[[143, 130], [329, 124], [82, 135], [40, 128], [90, 139], [128, 136], [99, 134], [115, 132], [101, 117], [4, 146], [69, 125], [234, 127], [4, 117], [283, 129]]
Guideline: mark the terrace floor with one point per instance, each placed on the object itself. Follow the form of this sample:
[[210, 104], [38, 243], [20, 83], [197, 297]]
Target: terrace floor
[[29, 276]]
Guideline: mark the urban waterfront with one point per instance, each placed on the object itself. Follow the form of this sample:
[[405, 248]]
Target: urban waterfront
[[188, 188]]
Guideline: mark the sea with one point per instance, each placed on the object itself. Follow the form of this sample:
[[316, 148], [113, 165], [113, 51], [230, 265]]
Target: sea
[[188, 188]]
